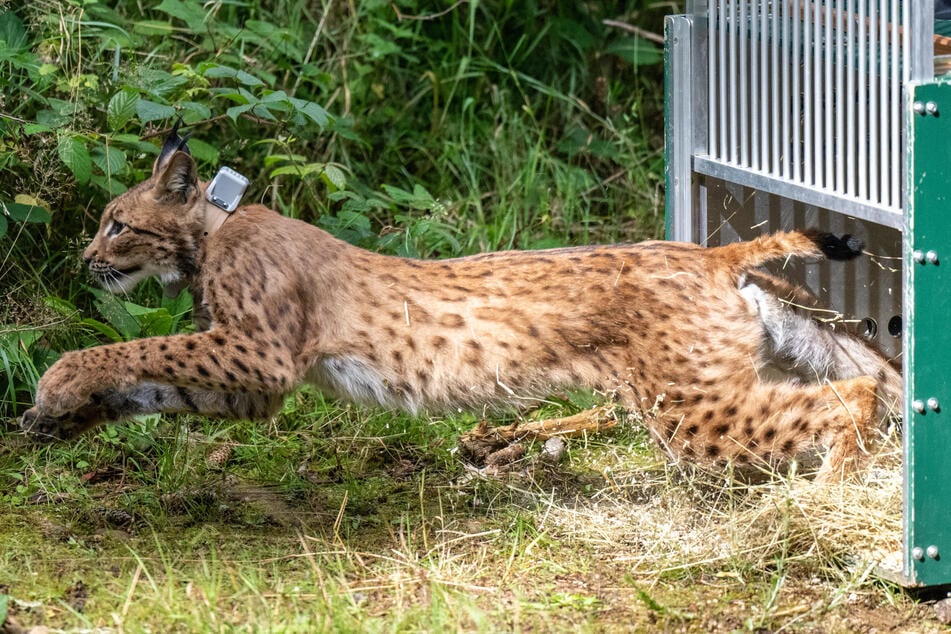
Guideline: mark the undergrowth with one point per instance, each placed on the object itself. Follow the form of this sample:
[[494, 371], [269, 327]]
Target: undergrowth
[[421, 129], [400, 127]]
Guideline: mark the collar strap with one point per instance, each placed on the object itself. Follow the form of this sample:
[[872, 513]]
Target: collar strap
[[213, 217]]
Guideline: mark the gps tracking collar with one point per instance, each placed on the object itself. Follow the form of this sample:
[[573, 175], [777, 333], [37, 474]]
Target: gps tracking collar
[[226, 189]]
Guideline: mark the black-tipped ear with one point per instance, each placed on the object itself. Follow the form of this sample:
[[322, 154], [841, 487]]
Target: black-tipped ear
[[173, 143], [178, 180]]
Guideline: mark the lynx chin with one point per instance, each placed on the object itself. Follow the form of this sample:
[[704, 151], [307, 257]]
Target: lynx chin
[[706, 347]]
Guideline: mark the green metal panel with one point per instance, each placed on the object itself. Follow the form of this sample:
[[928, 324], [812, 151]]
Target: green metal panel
[[927, 349]]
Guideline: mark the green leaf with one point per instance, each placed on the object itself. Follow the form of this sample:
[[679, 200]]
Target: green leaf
[[116, 314], [152, 27], [73, 153], [121, 109], [635, 50], [151, 111], [334, 176], [3, 225], [198, 111], [110, 185], [24, 213], [292, 170], [14, 35], [226, 72], [236, 111], [418, 199], [190, 13], [203, 151], [110, 160], [17, 342], [312, 111], [105, 330], [36, 128], [61, 306]]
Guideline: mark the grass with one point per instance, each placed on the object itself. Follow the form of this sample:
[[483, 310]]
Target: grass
[[332, 518]]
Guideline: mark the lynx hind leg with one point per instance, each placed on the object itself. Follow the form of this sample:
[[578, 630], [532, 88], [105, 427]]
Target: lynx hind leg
[[852, 426], [773, 423]]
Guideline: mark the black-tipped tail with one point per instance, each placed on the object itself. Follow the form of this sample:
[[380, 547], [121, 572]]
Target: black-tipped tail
[[848, 247]]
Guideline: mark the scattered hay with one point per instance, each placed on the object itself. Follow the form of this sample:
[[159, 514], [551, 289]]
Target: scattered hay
[[682, 520]]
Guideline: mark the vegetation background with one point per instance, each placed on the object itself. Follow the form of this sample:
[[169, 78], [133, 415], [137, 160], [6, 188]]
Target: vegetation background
[[426, 129]]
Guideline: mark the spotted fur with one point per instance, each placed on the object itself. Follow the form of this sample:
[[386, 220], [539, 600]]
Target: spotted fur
[[673, 330]]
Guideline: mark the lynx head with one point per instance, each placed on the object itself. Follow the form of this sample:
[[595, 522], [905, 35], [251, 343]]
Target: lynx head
[[154, 228]]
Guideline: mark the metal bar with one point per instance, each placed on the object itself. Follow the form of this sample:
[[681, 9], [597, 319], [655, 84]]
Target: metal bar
[[712, 28], [809, 94], [678, 100], [875, 124], [889, 217], [774, 63], [885, 84], [862, 99], [733, 101], [721, 69], [796, 98], [894, 186], [818, 138], [744, 84], [829, 104], [850, 108], [764, 89], [843, 149], [786, 96], [754, 87]]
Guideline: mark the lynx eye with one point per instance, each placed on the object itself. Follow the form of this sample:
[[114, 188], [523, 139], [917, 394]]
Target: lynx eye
[[115, 228]]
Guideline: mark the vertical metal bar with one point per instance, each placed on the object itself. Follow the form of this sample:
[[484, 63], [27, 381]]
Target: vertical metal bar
[[844, 67], [875, 128], [712, 30], [808, 176], [743, 84], [774, 63], [850, 107], [786, 127], [679, 129], [754, 86], [722, 96], [829, 105], [862, 99], [734, 101], [894, 188], [818, 138], [764, 88], [796, 96], [884, 87]]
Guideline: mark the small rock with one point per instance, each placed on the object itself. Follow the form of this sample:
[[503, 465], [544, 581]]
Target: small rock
[[942, 610], [553, 450]]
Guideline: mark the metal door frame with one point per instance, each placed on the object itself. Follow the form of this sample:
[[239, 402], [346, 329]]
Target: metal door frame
[[703, 108]]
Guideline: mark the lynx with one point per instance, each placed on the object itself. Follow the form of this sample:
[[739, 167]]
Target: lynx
[[694, 338]]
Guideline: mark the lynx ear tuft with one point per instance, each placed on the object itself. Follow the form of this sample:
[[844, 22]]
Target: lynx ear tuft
[[178, 179], [173, 143]]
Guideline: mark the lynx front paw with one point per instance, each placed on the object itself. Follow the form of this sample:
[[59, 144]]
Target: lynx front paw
[[68, 386], [44, 427]]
